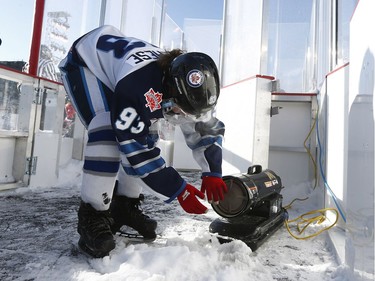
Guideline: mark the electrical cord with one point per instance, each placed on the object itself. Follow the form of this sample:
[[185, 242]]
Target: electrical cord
[[309, 152], [303, 221], [321, 169], [296, 199]]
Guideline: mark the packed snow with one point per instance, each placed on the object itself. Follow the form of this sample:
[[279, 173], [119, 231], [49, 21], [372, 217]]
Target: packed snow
[[38, 242]]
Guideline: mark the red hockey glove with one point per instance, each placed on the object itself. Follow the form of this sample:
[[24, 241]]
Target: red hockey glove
[[214, 188], [189, 202]]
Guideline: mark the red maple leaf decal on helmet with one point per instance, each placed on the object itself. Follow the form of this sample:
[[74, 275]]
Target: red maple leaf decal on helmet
[[153, 100]]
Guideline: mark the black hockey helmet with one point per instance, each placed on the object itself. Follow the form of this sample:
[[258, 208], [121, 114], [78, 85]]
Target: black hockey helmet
[[194, 83]]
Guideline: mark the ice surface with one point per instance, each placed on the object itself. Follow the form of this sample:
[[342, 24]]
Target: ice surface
[[38, 242]]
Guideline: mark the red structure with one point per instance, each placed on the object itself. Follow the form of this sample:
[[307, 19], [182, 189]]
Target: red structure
[[37, 35]]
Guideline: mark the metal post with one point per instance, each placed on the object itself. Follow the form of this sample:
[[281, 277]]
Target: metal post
[[162, 22], [37, 35], [103, 8]]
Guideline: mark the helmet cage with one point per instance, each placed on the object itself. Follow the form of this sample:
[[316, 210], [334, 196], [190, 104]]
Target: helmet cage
[[177, 116]]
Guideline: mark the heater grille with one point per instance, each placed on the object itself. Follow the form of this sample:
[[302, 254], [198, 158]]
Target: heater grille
[[235, 201]]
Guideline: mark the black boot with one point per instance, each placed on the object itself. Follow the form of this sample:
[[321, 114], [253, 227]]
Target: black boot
[[95, 230], [126, 211]]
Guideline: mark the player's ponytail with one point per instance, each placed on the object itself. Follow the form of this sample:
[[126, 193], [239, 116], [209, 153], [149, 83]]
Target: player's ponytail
[[164, 62], [167, 57]]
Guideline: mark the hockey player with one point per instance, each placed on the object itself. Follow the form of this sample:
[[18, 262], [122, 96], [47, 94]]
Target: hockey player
[[120, 86]]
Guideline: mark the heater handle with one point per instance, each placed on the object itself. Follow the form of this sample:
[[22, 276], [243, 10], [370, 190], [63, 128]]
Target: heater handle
[[255, 169]]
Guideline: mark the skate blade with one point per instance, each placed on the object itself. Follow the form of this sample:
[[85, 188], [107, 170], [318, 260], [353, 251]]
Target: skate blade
[[134, 238], [130, 235]]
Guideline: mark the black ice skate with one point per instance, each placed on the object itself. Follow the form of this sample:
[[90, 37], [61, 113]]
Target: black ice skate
[[126, 211], [95, 230]]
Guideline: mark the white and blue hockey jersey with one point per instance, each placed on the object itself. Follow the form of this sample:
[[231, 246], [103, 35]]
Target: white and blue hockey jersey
[[128, 67]]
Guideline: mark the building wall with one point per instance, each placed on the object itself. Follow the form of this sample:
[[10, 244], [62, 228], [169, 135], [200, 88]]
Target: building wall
[[347, 146], [359, 195]]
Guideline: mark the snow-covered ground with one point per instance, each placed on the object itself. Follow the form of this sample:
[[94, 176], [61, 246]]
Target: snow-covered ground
[[38, 242]]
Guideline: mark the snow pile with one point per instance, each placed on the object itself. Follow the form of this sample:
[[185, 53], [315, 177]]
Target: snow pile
[[38, 242]]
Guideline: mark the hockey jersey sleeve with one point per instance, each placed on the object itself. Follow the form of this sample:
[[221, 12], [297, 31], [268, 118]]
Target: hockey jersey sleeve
[[205, 140]]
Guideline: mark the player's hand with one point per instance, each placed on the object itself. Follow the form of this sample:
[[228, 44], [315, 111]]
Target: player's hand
[[189, 201], [214, 188]]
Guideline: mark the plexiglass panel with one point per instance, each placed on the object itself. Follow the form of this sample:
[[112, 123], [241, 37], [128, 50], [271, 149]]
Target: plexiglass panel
[[345, 12], [290, 43], [307, 40], [9, 105], [242, 40], [203, 35], [63, 23], [142, 23], [49, 108], [172, 36]]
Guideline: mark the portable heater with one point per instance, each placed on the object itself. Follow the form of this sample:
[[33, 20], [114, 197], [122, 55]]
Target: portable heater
[[252, 208]]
